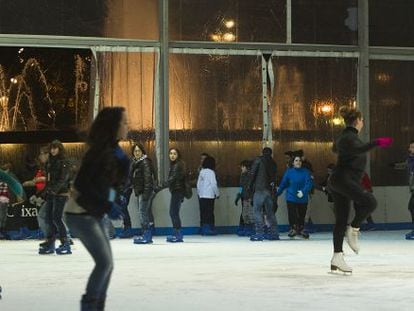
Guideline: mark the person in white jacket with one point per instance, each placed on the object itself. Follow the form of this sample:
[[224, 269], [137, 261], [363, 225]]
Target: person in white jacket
[[207, 191]]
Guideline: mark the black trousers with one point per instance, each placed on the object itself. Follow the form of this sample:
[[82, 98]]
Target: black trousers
[[207, 211], [296, 214], [346, 187], [411, 206]]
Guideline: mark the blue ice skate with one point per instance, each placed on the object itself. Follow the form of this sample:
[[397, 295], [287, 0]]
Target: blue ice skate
[[410, 235], [47, 248], [257, 237], [64, 249], [145, 239], [177, 237]]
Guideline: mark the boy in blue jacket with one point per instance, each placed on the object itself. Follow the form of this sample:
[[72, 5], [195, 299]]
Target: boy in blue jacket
[[297, 181]]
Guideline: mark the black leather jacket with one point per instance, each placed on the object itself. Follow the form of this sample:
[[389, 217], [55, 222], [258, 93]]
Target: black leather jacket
[[351, 152], [263, 174], [58, 175], [97, 175], [176, 177], [142, 178]]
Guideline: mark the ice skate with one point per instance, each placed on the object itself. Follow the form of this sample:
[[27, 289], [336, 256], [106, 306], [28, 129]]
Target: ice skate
[[145, 239], [47, 248], [257, 237], [292, 233], [177, 237], [338, 264], [410, 235], [352, 238], [64, 249]]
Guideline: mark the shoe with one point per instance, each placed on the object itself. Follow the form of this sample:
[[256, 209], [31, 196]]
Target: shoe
[[177, 237], [338, 263], [248, 230], [145, 239], [126, 233], [292, 233], [89, 303], [257, 237], [271, 236], [304, 234], [410, 235], [64, 248], [352, 238], [48, 248], [208, 230], [240, 231]]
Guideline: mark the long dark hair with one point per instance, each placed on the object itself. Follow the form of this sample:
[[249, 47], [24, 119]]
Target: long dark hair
[[178, 153], [104, 129], [140, 147], [209, 162]]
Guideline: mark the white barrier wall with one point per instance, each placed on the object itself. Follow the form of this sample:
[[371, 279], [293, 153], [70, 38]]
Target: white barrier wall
[[392, 208]]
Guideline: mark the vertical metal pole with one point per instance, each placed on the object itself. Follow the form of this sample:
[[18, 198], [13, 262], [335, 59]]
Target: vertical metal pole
[[363, 70], [95, 73], [267, 129], [288, 21], [162, 106]]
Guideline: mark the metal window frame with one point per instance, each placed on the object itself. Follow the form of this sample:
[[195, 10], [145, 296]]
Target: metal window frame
[[164, 47]]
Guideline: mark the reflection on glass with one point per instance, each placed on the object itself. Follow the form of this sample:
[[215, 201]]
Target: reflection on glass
[[391, 22], [392, 114], [215, 107], [325, 21], [307, 96], [44, 89], [129, 19], [228, 20]]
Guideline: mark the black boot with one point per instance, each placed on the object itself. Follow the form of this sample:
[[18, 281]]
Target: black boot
[[89, 304], [101, 304]]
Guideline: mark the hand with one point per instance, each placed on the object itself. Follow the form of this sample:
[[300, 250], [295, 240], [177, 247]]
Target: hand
[[384, 142], [115, 212], [299, 194], [238, 197]]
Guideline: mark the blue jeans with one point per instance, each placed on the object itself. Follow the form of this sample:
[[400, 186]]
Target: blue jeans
[[123, 201], [50, 217], [92, 233], [175, 204], [144, 210], [263, 206]]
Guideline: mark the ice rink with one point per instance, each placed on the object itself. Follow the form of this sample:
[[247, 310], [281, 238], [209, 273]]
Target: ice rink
[[217, 273]]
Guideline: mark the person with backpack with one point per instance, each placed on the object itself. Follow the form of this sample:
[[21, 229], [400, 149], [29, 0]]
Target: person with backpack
[[262, 178]]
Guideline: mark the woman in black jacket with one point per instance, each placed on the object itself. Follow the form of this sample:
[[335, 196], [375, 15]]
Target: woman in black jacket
[[56, 195], [104, 168], [345, 184], [142, 179], [176, 184]]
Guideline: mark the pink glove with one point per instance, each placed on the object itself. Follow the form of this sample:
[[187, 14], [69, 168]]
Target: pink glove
[[384, 142]]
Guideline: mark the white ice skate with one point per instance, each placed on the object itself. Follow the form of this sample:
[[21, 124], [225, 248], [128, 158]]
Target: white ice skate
[[352, 238], [338, 263]]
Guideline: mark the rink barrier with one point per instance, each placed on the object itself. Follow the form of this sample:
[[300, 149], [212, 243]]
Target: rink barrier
[[25, 233]]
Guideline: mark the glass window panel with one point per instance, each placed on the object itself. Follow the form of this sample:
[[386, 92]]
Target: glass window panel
[[391, 22], [127, 80], [44, 89], [228, 20], [308, 93], [325, 21], [216, 107], [392, 114], [129, 19]]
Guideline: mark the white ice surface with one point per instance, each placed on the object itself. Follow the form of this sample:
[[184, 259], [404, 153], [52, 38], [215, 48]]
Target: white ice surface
[[217, 273]]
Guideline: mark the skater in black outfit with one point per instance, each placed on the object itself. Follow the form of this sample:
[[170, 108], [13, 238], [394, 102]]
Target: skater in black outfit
[[345, 184], [104, 169]]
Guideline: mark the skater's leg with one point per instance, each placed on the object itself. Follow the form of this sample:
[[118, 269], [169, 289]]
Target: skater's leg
[[175, 204], [45, 219], [411, 207], [302, 209], [341, 209], [91, 232], [210, 220], [291, 207], [145, 210], [258, 201], [270, 216], [58, 205]]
